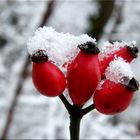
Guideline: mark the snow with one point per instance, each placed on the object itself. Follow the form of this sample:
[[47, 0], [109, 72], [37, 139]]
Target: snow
[[61, 48], [110, 48], [99, 87], [44, 118], [119, 71]]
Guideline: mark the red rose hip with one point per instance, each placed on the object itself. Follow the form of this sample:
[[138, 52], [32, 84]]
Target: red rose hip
[[83, 74], [47, 77], [128, 53], [114, 98]]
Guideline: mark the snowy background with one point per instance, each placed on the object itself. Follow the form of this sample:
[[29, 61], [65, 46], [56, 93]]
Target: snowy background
[[26, 114]]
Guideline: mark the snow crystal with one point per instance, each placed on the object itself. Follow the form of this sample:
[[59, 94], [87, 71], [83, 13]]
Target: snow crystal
[[99, 87], [110, 48], [61, 48], [119, 71]]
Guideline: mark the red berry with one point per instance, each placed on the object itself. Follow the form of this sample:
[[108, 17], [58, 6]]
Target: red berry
[[83, 74], [127, 53], [47, 77], [114, 98]]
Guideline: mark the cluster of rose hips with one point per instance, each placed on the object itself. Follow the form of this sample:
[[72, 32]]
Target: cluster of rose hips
[[83, 76]]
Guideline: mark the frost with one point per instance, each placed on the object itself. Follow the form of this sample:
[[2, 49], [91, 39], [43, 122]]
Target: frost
[[60, 48], [110, 48], [119, 71], [100, 85]]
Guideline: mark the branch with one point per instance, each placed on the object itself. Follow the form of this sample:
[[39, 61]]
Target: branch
[[47, 14], [66, 103], [98, 23], [113, 22], [87, 109]]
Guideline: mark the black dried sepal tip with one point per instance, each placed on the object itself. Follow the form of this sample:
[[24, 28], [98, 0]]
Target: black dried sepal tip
[[39, 56], [133, 85], [133, 50], [89, 47]]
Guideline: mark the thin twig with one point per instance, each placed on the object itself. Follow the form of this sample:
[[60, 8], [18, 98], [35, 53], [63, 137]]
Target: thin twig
[[87, 109], [66, 103], [47, 14]]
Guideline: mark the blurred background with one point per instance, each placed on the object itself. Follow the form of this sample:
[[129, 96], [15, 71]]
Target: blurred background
[[26, 114]]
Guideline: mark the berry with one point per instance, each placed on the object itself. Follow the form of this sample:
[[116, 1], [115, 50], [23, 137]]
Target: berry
[[47, 77], [114, 98], [83, 74], [127, 53]]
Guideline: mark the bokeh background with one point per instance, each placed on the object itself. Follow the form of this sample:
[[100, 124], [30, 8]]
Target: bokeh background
[[26, 114]]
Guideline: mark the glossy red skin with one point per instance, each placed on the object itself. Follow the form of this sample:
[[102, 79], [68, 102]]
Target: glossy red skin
[[48, 79], [112, 98], [83, 76], [123, 52]]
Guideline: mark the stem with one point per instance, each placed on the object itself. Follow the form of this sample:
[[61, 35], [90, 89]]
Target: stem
[[67, 105], [75, 118], [76, 113], [74, 127], [87, 109]]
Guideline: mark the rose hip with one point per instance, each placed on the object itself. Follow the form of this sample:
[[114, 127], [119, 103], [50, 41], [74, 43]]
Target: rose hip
[[83, 74], [47, 77]]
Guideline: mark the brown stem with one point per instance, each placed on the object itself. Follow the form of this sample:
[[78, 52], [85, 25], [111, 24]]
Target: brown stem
[[47, 14], [98, 23]]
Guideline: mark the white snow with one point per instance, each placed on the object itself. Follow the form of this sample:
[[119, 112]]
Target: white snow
[[99, 87], [110, 48], [43, 111], [117, 70], [60, 48]]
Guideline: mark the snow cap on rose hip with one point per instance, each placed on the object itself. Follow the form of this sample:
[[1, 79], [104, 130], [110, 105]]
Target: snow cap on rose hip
[[50, 51], [114, 94], [61, 48], [110, 48], [127, 50], [119, 71]]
